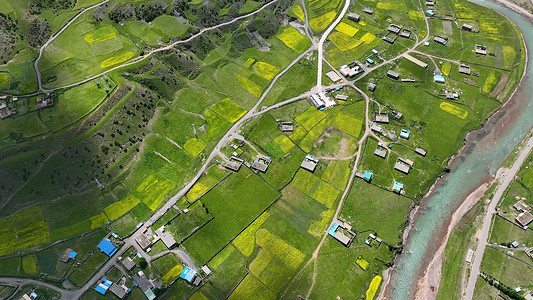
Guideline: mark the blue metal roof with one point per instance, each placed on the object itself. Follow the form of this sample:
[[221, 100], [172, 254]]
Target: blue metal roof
[[107, 247], [102, 289], [398, 185], [188, 274], [333, 229], [368, 175], [72, 254]]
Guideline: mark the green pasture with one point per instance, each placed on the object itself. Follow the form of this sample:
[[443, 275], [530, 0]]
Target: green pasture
[[228, 270], [506, 269], [88, 268], [185, 225], [23, 229], [213, 175], [125, 225], [234, 203], [368, 207]]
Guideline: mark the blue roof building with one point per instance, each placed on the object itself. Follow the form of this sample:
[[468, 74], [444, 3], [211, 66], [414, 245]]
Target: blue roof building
[[103, 286], [107, 247], [369, 60], [405, 134], [368, 176], [438, 78], [333, 229], [188, 274], [72, 254], [398, 187], [375, 51], [430, 13]]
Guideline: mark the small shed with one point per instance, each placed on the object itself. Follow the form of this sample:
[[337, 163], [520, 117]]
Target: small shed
[[397, 187], [371, 86], [341, 97], [367, 176], [206, 270], [382, 118], [405, 134], [333, 76], [464, 69], [309, 163], [401, 167], [515, 244], [441, 40], [380, 152], [467, 27], [524, 218], [368, 10]]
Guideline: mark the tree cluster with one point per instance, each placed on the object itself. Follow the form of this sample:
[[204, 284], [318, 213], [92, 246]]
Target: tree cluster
[[8, 36], [38, 32], [503, 288], [147, 12], [36, 6]]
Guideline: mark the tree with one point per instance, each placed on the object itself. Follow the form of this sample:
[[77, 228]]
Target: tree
[[143, 263]]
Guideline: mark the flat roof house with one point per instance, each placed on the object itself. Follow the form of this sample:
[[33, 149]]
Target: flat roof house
[[382, 118], [380, 152], [309, 163], [371, 86], [354, 17], [406, 33], [524, 218], [405, 134], [464, 69], [261, 164], [467, 27], [333, 76], [406, 161], [401, 167], [118, 291], [165, 237], [415, 60], [394, 28], [441, 40], [421, 151], [145, 240], [367, 176], [107, 247], [397, 187], [103, 286], [142, 282], [375, 127], [287, 128], [393, 75], [128, 263], [480, 49], [341, 97]]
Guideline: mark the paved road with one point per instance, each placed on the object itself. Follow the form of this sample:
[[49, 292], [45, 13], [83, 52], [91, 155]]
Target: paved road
[[323, 39], [483, 237]]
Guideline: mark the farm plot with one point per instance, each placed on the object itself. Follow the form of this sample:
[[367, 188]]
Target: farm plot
[[125, 225], [152, 190], [309, 118], [293, 39], [234, 204], [315, 187], [228, 270], [213, 176], [24, 229], [168, 266], [185, 225], [121, 207], [229, 110]]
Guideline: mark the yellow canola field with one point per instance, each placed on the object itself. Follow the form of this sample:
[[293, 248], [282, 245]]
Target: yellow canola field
[[293, 39], [298, 11], [373, 288], [343, 42], [99, 35], [320, 23], [117, 59], [454, 110], [249, 85], [346, 29], [368, 38], [265, 70]]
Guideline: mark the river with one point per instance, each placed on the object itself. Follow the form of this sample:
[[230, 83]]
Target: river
[[485, 152]]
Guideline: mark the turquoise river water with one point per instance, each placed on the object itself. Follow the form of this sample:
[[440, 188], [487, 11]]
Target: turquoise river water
[[485, 152]]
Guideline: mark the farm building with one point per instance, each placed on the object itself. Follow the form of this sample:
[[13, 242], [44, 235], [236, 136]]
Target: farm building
[[46, 101], [146, 286], [375, 52], [430, 12], [118, 291], [421, 151], [338, 234], [233, 165], [371, 86], [206, 270], [341, 97], [397, 115], [375, 127], [103, 286], [382, 118], [397, 187], [415, 60], [394, 28], [480, 49], [107, 247], [520, 206], [145, 240], [261, 164], [389, 39], [438, 77], [316, 101], [333, 76], [354, 17], [405, 134], [515, 244], [524, 218], [348, 72], [401, 167], [128, 263], [464, 69], [406, 161], [430, 3], [393, 75], [188, 274], [369, 60], [165, 237], [309, 163], [367, 10], [426, 44], [328, 102], [467, 27], [451, 95], [469, 256], [380, 152], [68, 254], [367, 176], [287, 128], [4, 110], [441, 40], [406, 33]]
